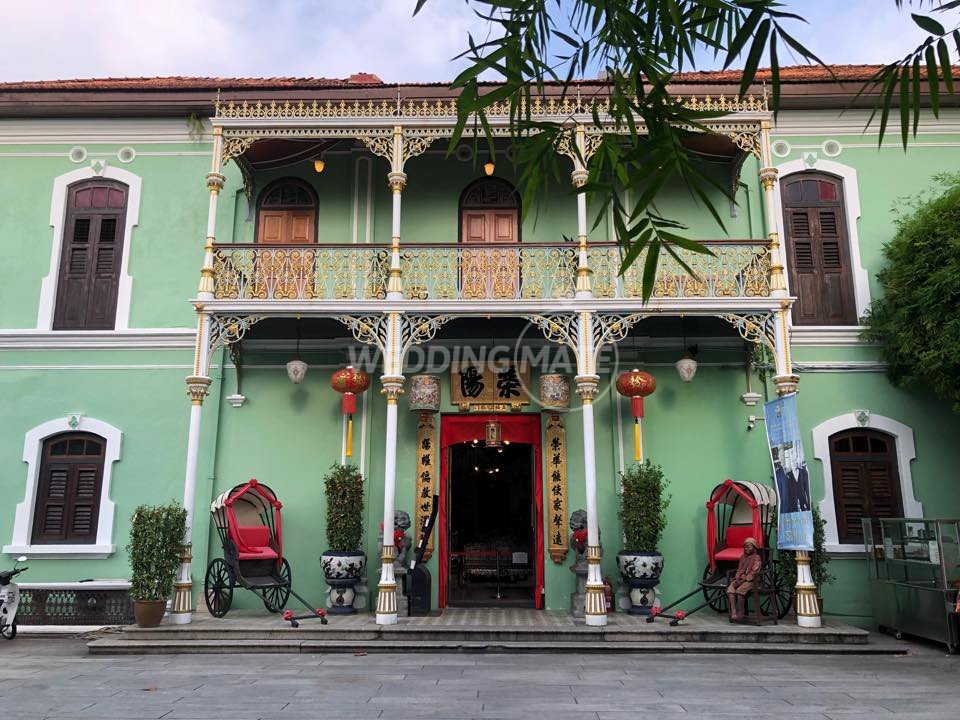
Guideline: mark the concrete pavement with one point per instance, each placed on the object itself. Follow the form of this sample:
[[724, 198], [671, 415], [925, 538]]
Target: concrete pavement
[[48, 678]]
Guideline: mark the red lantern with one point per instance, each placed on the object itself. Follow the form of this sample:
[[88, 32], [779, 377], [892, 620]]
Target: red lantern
[[351, 382], [636, 385]]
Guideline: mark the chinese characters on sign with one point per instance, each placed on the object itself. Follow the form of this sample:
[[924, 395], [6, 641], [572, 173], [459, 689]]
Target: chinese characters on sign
[[425, 480], [557, 488], [483, 388]]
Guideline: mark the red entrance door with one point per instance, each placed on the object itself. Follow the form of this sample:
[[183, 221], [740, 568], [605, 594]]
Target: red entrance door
[[457, 429]]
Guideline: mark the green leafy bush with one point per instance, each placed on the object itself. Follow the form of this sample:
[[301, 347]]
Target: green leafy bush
[[643, 506], [344, 489], [155, 547], [916, 320]]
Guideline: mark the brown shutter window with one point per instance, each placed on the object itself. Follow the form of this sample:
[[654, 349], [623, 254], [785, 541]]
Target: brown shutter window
[[68, 492], [866, 481], [90, 257], [818, 250]]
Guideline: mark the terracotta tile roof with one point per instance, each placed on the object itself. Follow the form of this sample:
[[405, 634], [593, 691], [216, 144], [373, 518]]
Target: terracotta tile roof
[[789, 74], [179, 82]]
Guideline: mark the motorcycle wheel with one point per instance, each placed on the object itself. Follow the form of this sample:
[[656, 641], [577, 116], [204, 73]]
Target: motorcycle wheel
[[9, 630]]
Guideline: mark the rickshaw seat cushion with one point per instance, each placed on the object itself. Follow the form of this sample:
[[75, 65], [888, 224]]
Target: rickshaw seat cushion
[[257, 539], [730, 554], [733, 542]]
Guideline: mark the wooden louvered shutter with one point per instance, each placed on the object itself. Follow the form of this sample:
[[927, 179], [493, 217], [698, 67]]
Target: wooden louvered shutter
[[818, 250], [866, 482], [90, 257], [68, 492]]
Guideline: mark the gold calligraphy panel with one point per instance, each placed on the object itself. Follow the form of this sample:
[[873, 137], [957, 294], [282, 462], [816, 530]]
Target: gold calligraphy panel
[[556, 476], [479, 387], [426, 478]]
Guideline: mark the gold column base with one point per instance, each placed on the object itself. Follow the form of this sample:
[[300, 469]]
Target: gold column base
[[387, 599], [808, 610], [181, 609]]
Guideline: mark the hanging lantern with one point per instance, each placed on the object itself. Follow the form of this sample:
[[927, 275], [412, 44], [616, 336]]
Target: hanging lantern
[[425, 394], [554, 391], [296, 371], [686, 367], [351, 382], [636, 385], [493, 434]]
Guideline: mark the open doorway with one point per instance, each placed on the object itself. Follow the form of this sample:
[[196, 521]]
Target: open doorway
[[492, 518], [491, 513]]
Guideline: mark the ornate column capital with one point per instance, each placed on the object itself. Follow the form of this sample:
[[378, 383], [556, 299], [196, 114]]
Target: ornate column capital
[[786, 384], [392, 387], [579, 177], [198, 387], [768, 177], [215, 181], [397, 180], [587, 387]]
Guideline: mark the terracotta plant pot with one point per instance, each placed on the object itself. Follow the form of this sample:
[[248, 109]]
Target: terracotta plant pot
[[148, 613]]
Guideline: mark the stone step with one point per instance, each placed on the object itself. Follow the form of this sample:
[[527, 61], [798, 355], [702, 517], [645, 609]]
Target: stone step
[[119, 645]]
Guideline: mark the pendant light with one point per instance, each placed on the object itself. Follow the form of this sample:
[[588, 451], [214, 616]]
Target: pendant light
[[686, 366], [489, 167], [297, 369]]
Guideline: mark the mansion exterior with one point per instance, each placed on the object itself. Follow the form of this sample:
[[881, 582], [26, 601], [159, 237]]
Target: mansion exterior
[[215, 229]]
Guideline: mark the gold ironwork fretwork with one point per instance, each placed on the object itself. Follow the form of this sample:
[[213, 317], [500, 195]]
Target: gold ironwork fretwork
[[754, 327], [426, 477], [228, 329], [556, 454], [604, 328], [235, 146], [372, 329]]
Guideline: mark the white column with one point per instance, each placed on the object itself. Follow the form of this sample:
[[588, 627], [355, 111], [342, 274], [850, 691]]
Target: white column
[[198, 385], [392, 381], [587, 381], [579, 178]]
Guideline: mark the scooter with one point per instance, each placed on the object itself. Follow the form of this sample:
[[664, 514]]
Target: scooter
[[10, 600]]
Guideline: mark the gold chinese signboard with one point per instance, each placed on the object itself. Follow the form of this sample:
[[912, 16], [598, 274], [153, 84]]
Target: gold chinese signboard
[[425, 478], [478, 387], [557, 488]]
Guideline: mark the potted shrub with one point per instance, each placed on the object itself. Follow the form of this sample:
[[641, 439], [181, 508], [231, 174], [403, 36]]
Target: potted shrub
[[155, 547], [345, 562], [643, 505]]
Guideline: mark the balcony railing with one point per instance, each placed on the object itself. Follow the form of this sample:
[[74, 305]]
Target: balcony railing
[[523, 271]]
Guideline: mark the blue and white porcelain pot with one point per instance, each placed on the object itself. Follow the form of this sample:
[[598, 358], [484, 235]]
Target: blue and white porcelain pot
[[641, 571], [342, 571]]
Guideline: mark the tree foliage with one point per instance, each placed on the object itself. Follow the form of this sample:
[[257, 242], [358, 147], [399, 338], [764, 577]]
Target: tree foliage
[[917, 319], [643, 506], [639, 45], [344, 490], [156, 543]]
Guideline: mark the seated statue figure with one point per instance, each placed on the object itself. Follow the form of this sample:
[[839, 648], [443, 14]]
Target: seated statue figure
[[742, 582]]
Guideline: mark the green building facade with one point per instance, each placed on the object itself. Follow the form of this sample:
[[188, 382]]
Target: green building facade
[[121, 196]]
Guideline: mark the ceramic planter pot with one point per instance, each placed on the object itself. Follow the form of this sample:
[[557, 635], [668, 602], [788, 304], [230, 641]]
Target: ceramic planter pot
[[342, 571], [148, 613], [641, 571]]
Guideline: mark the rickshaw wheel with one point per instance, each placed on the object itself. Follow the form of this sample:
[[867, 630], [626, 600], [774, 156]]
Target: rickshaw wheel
[[784, 593], [218, 588], [716, 597], [275, 598]]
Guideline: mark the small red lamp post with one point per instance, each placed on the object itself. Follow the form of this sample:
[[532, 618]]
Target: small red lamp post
[[636, 385], [350, 382]]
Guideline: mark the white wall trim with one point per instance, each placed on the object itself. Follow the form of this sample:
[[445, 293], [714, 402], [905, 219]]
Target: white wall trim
[[149, 338], [851, 199], [906, 452], [58, 212], [23, 518], [828, 335]]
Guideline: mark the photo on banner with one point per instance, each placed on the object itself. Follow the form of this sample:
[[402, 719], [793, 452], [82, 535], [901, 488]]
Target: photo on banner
[[794, 510]]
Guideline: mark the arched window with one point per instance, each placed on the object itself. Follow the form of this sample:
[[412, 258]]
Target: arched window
[[866, 482], [67, 505], [489, 212], [818, 249], [91, 256], [287, 213]]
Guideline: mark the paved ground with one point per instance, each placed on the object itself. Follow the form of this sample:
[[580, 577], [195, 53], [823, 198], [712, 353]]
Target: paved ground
[[47, 678]]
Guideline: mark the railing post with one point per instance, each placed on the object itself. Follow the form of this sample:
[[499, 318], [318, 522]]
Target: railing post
[[579, 178]]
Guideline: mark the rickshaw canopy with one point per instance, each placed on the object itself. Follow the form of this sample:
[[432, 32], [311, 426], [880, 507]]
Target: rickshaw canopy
[[753, 506]]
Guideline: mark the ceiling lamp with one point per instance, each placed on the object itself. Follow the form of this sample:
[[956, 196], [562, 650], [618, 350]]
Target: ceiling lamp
[[297, 369], [489, 167], [319, 165], [493, 434], [687, 366]]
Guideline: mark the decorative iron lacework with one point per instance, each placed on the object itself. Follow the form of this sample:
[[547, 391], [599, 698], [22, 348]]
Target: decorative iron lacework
[[754, 327], [447, 108], [508, 272], [372, 329], [228, 329], [75, 607], [565, 329]]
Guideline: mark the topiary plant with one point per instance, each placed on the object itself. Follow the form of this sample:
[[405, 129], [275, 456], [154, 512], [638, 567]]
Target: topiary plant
[[155, 547], [344, 490], [916, 319], [643, 506]]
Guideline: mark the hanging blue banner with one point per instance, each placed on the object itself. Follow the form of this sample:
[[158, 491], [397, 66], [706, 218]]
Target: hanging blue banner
[[795, 516]]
